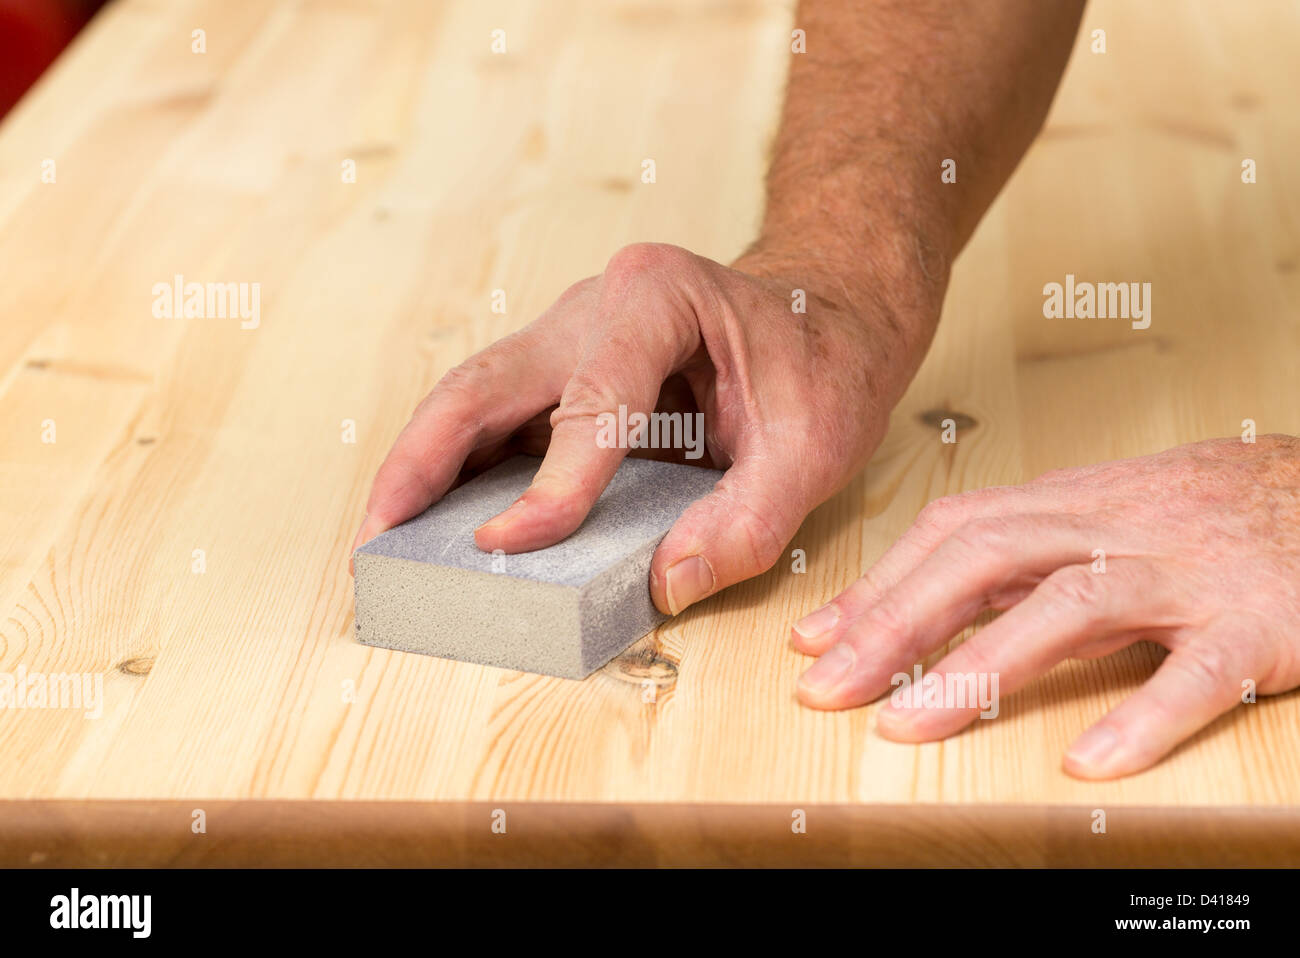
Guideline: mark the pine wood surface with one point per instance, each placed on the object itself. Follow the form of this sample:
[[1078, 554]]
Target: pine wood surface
[[521, 171]]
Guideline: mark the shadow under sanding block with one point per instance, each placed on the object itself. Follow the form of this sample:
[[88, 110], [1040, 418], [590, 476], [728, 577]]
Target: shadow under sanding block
[[565, 610]]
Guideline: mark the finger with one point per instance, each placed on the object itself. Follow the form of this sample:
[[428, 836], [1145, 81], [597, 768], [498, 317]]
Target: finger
[[478, 402], [824, 626], [1072, 609], [641, 337], [736, 532], [1196, 683], [940, 597]]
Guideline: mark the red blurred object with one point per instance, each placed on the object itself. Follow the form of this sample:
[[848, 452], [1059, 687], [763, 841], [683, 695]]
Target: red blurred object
[[32, 32]]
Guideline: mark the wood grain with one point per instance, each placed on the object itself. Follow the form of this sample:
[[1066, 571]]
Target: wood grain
[[521, 171]]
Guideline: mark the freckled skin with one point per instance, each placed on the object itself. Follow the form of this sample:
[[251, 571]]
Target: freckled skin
[[1202, 555]]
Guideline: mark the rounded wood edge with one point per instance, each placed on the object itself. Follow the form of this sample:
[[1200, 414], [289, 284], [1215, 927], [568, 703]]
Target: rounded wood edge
[[276, 833]]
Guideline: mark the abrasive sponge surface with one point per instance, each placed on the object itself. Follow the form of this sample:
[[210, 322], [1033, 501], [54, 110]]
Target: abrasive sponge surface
[[425, 586]]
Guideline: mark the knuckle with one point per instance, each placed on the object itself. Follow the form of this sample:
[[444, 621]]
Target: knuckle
[[984, 535], [1072, 587], [765, 544], [939, 517], [639, 259], [936, 514], [1205, 665], [649, 273], [465, 380], [580, 488], [861, 595], [585, 396], [888, 619]]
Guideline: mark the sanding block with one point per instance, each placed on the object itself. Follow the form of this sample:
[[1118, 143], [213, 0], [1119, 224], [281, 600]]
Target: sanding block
[[425, 586]]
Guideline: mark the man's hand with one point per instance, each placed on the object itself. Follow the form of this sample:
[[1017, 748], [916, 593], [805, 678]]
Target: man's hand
[[1201, 554], [887, 96], [795, 389]]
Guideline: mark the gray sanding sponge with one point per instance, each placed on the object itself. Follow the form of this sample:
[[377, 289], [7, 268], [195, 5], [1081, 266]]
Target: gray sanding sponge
[[565, 610]]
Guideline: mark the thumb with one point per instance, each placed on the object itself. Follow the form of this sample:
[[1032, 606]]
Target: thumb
[[736, 532]]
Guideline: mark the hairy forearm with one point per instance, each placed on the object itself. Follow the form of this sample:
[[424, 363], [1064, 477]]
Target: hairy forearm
[[886, 91]]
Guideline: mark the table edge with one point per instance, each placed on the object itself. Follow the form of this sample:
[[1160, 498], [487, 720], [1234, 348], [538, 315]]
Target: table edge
[[403, 833]]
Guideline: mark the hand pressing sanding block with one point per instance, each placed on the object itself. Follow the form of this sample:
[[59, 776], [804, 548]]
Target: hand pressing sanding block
[[565, 610]]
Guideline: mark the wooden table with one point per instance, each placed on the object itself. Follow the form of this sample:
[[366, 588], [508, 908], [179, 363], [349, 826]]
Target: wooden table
[[185, 535]]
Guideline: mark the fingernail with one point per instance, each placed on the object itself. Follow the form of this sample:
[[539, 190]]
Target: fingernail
[[688, 580], [357, 541], [818, 621], [505, 518], [1094, 746], [829, 670]]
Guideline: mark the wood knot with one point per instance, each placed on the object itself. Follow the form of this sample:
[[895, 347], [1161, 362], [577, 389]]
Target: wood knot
[[137, 666], [934, 418], [644, 663]]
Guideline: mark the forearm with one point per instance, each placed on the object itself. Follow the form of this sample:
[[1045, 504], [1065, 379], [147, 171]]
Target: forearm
[[885, 93]]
